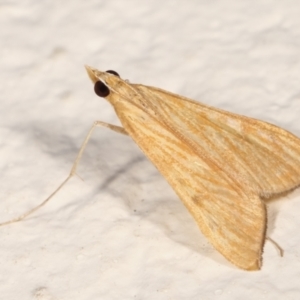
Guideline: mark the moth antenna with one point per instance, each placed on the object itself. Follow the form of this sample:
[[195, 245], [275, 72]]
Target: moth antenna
[[115, 128]]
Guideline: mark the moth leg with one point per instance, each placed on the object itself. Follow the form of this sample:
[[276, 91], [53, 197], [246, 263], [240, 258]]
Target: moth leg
[[279, 249], [115, 128], [73, 169]]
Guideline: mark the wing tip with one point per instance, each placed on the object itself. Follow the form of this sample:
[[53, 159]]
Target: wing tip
[[256, 266], [249, 265]]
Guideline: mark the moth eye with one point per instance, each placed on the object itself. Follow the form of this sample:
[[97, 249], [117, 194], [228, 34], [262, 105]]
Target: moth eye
[[101, 89], [112, 72]]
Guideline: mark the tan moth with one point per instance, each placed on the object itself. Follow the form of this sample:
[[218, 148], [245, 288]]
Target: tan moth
[[220, 164]]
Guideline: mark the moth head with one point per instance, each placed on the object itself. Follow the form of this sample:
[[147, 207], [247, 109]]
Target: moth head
[[103, 81]]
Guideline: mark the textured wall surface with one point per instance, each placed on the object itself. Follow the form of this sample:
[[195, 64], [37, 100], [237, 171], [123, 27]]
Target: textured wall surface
[[119, 231]]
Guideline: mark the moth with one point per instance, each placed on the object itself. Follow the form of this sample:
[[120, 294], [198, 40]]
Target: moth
[[221, 165]]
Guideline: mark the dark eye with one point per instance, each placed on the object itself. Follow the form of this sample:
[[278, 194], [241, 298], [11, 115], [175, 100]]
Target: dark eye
[[101, 89], [112, 72]]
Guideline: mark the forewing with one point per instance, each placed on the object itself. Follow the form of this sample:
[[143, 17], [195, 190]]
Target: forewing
[[217, 162], [252, 152], [230, 215]]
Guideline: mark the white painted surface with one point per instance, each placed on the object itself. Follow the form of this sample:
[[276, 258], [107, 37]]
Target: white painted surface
[[122, 233]]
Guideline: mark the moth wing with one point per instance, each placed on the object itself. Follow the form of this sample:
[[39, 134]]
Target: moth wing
[[253, 152], [217, 162], [231, 216]]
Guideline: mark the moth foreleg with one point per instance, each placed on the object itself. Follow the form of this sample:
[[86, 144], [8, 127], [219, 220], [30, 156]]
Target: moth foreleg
[[73, 169]]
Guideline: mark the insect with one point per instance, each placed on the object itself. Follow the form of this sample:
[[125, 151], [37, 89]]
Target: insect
[[221, 165]]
